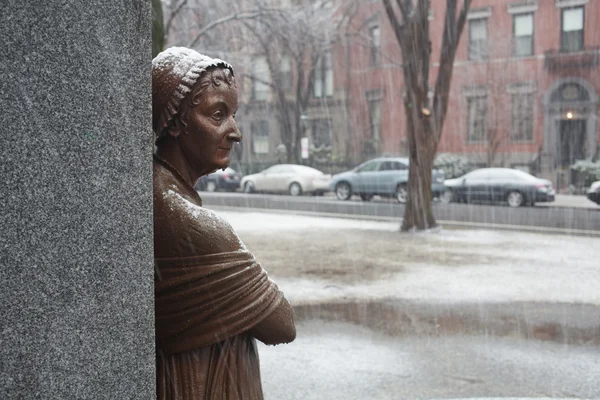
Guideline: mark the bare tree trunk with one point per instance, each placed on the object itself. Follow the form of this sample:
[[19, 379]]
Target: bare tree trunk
[[418, 213], [424, 121]]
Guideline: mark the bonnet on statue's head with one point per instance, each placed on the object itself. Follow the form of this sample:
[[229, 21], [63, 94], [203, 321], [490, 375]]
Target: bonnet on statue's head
[[175, 71]]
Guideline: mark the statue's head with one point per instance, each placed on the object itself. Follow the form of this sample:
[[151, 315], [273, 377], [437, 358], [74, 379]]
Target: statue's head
[[194, 101]]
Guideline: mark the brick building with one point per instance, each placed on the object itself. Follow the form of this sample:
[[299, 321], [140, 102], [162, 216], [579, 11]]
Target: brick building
[[524, 91]]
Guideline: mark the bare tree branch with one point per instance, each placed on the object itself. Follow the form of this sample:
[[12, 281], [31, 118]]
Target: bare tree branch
[[260, 80], [452, 32], [394, 21], [232, 17], [172, 17], [404, 8], [460, 23]]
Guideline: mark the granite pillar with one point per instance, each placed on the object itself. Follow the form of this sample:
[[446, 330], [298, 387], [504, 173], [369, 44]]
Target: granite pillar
[[76, 250]]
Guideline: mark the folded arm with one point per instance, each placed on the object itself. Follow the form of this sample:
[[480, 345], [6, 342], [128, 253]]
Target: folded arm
[[278, 327]]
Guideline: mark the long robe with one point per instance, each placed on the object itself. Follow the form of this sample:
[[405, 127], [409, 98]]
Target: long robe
[[209, 292]]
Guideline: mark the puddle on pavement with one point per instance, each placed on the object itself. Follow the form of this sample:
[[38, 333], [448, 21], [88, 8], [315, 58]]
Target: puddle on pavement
[[577, 324]]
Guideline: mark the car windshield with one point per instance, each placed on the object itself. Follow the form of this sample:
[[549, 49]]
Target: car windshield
[[478, 174], [369, 167], [301, 169], [523, 175]]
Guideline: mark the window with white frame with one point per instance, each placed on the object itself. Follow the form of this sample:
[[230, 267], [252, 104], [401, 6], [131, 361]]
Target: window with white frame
[[571, 37], [478, 39], [477, 110], [375, 119], [260, 79], [323, 85], [260, 137], [522, 117], [375, 45], [523, 34]]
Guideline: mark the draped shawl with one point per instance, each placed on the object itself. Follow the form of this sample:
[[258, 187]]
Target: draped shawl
[[209, 291]]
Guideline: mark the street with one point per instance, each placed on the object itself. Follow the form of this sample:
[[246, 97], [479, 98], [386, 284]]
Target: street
[[574, 218]]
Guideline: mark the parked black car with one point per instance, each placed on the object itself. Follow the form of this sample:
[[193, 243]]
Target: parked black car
[[593, 192], [227, 180], [499, 184]]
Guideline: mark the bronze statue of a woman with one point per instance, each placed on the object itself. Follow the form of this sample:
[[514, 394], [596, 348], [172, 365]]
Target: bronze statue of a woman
[[213, 299]]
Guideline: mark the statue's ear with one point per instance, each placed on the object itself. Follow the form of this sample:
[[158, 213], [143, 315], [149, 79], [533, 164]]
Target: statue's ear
[[177, 128]]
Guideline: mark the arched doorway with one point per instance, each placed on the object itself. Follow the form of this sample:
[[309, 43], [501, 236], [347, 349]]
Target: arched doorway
[[570, 127]]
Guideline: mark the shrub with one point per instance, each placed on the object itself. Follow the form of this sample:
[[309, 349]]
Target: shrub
[[587, 171], [452, 165]]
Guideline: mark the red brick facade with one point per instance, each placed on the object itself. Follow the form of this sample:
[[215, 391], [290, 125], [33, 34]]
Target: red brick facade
[[498, 80]]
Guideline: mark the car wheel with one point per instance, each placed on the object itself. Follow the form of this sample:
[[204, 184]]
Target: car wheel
[[366, 196], [249, 187], [295, 189], [343, 191], [515, 199], [447, 196], [211, 186], [401, 193]]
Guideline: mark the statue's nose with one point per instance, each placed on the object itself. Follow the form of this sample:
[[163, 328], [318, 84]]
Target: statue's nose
[[235, 135]]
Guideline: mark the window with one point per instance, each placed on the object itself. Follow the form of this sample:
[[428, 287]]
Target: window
[[280, 169], [369, 167], [323, 86], [523, 34], [476, 118], [260, 83], [522, 117], [321, 132], [260, 137], [392, 166], [570, 92], [481, 174], [478, 48], [375, 119], [375, 37], [571, 37]]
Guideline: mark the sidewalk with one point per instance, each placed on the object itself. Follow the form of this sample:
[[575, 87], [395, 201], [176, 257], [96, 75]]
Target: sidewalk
[[451, 314], [318, 260]]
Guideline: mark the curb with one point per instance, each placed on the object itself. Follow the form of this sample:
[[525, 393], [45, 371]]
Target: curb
[[443, 223]]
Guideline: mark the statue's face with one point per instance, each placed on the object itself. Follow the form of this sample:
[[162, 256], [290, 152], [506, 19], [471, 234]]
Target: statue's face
[[211, 129]]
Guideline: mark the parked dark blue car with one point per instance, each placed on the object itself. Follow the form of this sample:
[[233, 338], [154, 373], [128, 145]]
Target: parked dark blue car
[[515, 187], [593, 192], [227, 180]]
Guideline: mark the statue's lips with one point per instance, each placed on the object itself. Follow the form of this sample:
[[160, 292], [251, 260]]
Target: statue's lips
[[225, 149]]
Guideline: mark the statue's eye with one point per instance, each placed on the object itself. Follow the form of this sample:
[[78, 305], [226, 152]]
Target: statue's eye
[[218, 115]]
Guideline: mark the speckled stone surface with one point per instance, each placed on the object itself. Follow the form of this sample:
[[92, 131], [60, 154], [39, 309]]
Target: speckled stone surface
[[76, 255]]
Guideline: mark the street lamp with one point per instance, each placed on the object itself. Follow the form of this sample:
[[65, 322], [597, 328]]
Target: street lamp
[[569, 115]]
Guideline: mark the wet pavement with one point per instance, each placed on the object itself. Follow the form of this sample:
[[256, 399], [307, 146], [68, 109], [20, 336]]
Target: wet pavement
[[332, 360], [445, 314]]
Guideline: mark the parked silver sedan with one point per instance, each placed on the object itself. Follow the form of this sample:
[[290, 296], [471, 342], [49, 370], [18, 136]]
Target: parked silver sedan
[[287, 178]]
